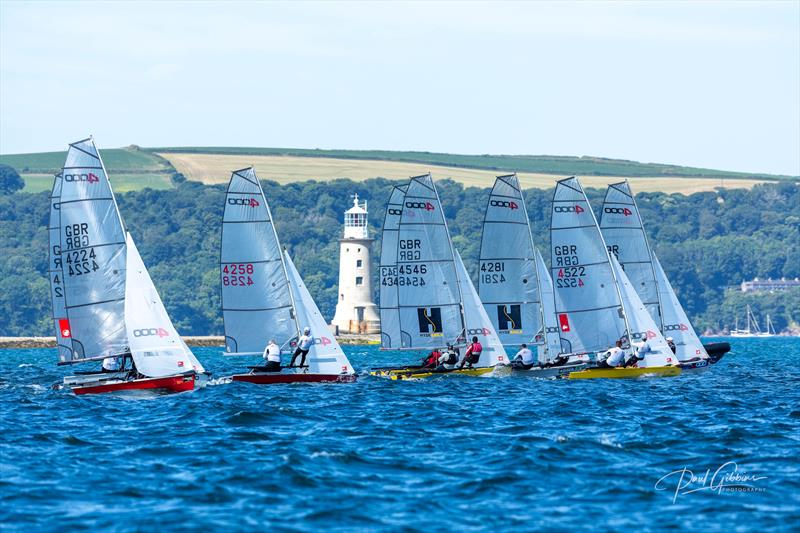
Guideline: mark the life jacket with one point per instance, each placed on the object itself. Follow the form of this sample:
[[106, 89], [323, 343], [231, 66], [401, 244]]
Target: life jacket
[[433, 358], [452, 358], [475, 352]]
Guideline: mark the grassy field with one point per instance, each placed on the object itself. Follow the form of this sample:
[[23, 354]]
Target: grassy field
[[129, 169], [216, 168], [535, 164], [121, 182]]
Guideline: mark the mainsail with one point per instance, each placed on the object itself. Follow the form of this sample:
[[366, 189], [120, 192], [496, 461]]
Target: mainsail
[[429, 299], [507, 279], [390, 312], [588, 302], [477, 322], [56, 274], [155, 345], [676, 323], [549, 346], [624, 234], [325, 355], [642, 326], [92, 251], [256, 299]]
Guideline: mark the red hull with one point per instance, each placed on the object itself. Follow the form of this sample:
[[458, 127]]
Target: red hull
[[277, 377], [169, 384]]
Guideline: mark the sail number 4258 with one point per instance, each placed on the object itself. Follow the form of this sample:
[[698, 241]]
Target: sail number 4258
[[237, 275]]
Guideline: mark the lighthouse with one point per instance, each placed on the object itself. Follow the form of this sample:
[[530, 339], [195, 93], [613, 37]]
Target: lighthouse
[[355, 310]]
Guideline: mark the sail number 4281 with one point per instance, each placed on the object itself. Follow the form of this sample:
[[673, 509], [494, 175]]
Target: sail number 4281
[[492, 272], [237, 275]]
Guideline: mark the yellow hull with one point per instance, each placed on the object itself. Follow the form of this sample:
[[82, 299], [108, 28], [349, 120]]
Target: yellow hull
[[619, 373], [427, 374]]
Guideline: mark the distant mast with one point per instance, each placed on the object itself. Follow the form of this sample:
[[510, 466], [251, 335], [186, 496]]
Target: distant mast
[[355, 310]]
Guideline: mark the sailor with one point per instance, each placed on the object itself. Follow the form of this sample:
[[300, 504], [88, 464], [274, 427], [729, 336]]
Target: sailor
[[612, 358], [524, 358], [304, 344], [639, 349], [111, 364], [272, 357], [473, 354], [449, 358], [432, 359], [671, 344]]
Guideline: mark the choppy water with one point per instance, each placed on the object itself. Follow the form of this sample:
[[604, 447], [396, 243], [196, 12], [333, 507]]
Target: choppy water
[[447, 453]]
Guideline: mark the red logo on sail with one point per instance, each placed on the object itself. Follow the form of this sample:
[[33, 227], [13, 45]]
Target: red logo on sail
[[324, 341], [180, 363], [563, 321], [650, 334], [63, 325]]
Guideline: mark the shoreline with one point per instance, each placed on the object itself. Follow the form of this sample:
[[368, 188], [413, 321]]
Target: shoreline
[[195, 341]]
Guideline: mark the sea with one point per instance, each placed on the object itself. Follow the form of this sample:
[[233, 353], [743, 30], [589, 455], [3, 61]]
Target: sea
[[717, 450]]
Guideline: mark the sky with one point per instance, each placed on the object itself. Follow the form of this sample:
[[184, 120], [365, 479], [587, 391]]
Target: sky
[[709, 84]]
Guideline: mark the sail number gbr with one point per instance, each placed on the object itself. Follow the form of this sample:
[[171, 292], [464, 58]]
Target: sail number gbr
[[404, 275], [237, 275], [570, 274], [78, 259], [493, 272]]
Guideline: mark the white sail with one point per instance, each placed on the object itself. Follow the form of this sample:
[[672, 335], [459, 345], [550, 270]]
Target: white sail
[[507, 279], [642, 326], [588, 303], [325, 355], [92, 251], [390, 312], [256, 301], [429, 301], [477, 321], [56, 275], [623, 231], [676, 323], [155, 346], [549, 346]]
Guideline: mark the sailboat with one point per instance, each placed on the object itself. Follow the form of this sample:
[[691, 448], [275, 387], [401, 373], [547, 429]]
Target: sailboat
[[514, 283], [427, 297], [623, 231], [752, 329], [263, 295], [596, 304], [104, 302]]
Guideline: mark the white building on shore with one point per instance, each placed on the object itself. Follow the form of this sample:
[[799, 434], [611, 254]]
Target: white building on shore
[[355, 310]]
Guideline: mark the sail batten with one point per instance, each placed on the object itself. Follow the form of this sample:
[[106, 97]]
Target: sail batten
[[507, 282]]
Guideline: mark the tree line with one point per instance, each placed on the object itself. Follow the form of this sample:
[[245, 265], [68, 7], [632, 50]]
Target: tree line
[[707, 242]]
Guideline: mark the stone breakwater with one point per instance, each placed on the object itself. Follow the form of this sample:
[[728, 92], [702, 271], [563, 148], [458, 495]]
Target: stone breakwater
[[213, 341]]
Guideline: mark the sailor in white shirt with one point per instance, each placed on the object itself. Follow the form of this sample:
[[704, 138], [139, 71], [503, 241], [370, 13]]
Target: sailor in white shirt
[[524, 358], [304, 344], [272, 357], [612, 358], [111, 364]]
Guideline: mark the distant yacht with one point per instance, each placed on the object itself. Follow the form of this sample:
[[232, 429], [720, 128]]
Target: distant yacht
[[752, 329]]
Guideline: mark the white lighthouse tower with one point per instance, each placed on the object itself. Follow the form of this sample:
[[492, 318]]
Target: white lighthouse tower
[[355, 310]]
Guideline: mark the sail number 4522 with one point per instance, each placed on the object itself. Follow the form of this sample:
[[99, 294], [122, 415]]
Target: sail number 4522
[[237, 275]]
